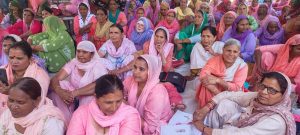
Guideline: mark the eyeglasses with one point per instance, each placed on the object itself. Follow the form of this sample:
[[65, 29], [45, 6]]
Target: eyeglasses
[[270, 90]]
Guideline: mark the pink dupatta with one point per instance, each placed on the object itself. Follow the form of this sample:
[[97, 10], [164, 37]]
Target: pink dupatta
[[33, 71], [173, 27], [282, 64], [113, 122], [154, 69], [221, 27], [167, 47]]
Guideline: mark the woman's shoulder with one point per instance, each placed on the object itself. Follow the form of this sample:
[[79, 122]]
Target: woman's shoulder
[[81, 111], [159, 88]]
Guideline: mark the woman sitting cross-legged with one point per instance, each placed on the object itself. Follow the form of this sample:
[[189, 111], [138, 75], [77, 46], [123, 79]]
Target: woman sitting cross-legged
[[225, 72], [264, 112], [144, 92], [117, 51], [76, 79], [107, 114]]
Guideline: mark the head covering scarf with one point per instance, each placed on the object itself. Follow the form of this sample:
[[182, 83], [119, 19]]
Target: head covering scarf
[[152, 14], [128, 4], [89, 47], [222, 7], [256, 14], [172, 27], [53, 26], [282, 108], [221, 29], [252, 10], [166, 46], [140, 38], [154, 68], [265, 33], [234, 33], [87, 20], [282, 63]]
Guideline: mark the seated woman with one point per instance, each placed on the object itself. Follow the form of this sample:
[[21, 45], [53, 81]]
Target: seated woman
[[142, 33], [221, 9], [164, 8], [271, 32], [159, 46], [204, 50], [282, 58], [76, 79], [101, 34], [204, 6], [152, 11], [225, 23], [240, 31], [184, 14], [264, 112], [243, 10], [21, 65], [116, 16], [54, 45], [118, 51], [171, 23], [84, 23], [28, 26], [8, 41], [262, 14], [140, 12], [253, 7], [14, 15], [30, 112], [225, 72], [107, 114], [131, 7], [186, 38], [141, 92]]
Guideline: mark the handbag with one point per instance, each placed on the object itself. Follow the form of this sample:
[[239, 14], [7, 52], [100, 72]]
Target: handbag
[[175, 78]]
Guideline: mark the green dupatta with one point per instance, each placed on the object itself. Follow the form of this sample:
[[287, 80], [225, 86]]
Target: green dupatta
[[188, 32], [58, 45]]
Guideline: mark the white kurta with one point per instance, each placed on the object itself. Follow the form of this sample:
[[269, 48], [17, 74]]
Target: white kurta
[[233, 105], [199, 56]]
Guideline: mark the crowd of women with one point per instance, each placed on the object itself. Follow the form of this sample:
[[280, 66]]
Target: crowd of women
[[105, 77]]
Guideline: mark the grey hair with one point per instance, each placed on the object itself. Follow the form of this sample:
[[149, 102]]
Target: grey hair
[[231, 42]]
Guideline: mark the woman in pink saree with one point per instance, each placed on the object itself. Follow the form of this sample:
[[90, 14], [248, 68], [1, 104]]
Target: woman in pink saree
[[141, 91], [107, 114], [82, 72], [30, 112]]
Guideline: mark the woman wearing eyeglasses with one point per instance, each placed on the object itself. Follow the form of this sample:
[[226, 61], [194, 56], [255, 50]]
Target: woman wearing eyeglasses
[[265, 112]]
